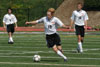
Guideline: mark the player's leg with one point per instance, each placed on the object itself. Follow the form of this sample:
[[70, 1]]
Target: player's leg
[[80, 49], [82, 34], [51, 44], [60, 48], [10, 33], [57, 42], [78, 33], [82, 39], [55, 49]]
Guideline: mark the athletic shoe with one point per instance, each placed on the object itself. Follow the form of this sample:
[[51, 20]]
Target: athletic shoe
[[65, 60], [10, 42]]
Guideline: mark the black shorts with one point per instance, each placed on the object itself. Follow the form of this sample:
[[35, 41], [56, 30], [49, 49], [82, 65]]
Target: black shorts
[[53, 39], [10, 28], [80, 30]]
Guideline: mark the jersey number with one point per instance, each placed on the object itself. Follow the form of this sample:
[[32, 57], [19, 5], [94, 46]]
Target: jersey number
[[10, 20], [50, 26]]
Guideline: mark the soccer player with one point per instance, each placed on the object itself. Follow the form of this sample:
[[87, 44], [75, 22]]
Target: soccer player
[[8, 22], [79, 18], [52, 37]]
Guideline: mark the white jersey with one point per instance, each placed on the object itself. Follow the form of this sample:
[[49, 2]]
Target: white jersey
[[9, 19], [50, 25], [79, 17]]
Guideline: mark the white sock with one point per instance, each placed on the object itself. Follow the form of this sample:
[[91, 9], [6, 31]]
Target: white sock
[[80, 47], [11, 39], [60, 54]]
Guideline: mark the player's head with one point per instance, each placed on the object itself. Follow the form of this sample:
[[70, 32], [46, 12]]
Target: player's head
[[50, 13], [79, 6], [9, 10]]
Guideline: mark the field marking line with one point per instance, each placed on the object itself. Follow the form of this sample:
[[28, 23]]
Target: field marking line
[[90, 49], [50, 57], [34, 52], [48, 64], [19, 53], [20, 47], [9, 52]]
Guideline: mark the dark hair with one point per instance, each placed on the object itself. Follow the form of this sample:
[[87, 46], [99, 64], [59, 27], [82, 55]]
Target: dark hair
[[9, 9], [80, 3]]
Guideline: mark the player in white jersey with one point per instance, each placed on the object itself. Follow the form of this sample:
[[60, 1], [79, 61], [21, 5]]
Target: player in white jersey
[[8, 22], [52, 37], [79, 18]]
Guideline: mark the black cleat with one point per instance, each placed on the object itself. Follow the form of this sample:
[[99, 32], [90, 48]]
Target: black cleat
[[10, 42], [78, 50], [65, 60]]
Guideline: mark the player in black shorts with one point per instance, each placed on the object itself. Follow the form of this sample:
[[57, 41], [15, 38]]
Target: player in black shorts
[[80, 31], [52, 40], [52, 37], [79, 17], [9, 23]]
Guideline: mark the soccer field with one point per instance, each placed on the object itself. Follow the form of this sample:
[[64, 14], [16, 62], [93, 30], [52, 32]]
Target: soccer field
[[20, 54]]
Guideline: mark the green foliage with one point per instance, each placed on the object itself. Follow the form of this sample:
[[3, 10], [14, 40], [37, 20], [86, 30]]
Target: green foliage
[[26, 10], [92, 4]]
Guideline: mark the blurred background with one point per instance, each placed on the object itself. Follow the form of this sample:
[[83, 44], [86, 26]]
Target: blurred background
[[28, 10]]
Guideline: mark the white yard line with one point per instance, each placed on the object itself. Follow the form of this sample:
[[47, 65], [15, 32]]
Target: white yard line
[[90, 49], [22, 53], [48, 64], [49, 57], [20, 47], [28, 52]]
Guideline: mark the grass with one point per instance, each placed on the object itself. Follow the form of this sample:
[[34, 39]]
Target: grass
[[26, 45]]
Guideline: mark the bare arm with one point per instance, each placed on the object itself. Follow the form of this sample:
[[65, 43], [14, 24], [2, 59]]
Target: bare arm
[[85, 25], [4, 25], [32, 22], [16, 25], [71, 24], [64, 26]]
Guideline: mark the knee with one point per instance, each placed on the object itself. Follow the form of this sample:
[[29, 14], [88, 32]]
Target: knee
[[55, 49]]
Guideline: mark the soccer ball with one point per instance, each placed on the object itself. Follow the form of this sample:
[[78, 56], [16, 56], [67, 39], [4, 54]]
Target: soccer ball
[[36, 58]]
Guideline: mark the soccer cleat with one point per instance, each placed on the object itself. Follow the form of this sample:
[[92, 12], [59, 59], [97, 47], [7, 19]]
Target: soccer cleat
[[81, 51], [10, 42], [65, 60], [78, 50]]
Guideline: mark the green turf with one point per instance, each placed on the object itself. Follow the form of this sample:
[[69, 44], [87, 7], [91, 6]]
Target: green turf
[[21, 52]]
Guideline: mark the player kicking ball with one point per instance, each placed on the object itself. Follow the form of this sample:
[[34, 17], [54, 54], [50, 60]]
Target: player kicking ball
[[8, 22], [79, 17], [52, 37]]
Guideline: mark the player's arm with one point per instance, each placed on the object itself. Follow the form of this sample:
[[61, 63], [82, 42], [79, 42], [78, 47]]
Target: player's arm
[[4, 25], [64, 26], [72, 20], [86, 25], [86, 19], [16, 25], [4, 20], [71, 24], [35, 22], [32, 22], [15, 21], [59, 22]]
